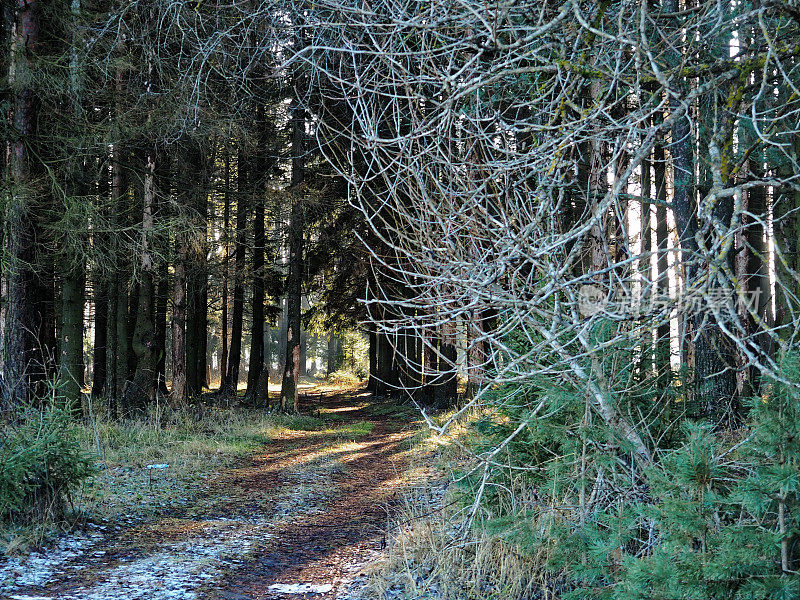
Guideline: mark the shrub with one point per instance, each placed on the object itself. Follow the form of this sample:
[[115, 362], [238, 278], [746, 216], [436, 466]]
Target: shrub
[[41, 464], [715, 515], [344, 378]]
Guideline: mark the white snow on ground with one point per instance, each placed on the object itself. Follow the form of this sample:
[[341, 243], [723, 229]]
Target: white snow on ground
[[300, 588], [40, 568], [177, 571], [174, 572]]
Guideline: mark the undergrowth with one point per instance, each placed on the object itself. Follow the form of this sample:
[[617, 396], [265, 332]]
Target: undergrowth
[[121, 472], [41, 464], [563, 512]]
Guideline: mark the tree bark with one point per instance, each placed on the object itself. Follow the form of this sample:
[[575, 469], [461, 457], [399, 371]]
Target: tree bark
[[141, 390], [178, 394], [257, 363], [71, 365], [291, 370], [20, 315], [226, 266], [100, 342], [715, 383], [197, 273], [663, 350], [294, 278], [162, 296], [231, 381]]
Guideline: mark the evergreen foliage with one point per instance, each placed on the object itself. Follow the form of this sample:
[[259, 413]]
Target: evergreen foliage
[[41, 464], [713, 516]]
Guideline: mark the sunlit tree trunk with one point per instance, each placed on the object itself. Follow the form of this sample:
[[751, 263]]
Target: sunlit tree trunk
[[141, 390], [231, 381]]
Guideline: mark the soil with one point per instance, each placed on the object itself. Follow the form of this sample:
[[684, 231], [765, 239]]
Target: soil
[[299, 519]]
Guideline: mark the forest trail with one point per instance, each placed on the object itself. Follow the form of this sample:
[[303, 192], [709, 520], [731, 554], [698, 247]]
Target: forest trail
[[298, 519]]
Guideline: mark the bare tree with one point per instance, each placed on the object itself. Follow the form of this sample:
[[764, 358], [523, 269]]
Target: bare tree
[[503, 148]]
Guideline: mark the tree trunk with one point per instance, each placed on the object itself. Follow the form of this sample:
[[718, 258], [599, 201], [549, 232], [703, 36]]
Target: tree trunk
[[291, 370], [715, 382], [20, 322], [100, 342], [334, 362], [123, 346], [71, 365], [197, 272], [141, 390], [112, 346], [178, 394], [430, 368], [303, 352], [162, 295], [226, 266], [231, 381], [256, 364], [294, 278], [281, 339], [663, 350]]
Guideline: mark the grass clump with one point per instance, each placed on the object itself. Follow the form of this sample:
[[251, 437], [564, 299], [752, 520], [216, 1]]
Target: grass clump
[[195, 450]]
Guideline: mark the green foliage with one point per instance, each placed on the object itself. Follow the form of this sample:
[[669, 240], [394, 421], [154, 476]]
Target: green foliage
[[355, 351], [714, 515], [41, 464], [344, 378]]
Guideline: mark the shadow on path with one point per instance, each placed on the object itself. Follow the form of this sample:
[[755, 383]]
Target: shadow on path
[[327, 544]]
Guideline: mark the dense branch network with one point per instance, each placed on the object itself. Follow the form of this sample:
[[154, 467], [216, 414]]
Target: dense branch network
[[523, 166]]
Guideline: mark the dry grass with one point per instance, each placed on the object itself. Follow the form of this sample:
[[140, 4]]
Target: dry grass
[[431, 552], [195, 450]]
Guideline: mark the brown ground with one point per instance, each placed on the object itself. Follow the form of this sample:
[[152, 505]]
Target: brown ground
[[311, 508], [328, 547]]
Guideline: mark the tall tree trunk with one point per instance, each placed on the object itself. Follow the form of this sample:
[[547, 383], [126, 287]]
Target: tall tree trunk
[[283, 321], [141, 390], [303, 352], [197, 274], [372, 382], [291, 370], [162, 296], [186, 345], [715, 382], [231, 381], [100, 289], [100, 342], [430, 367], [20, 231], [178, 393], [663, 350], [123, 345], [257, 363], [294, 278], [112, 346], [161, 275], [226, 222], [117, 354], [71, 365]]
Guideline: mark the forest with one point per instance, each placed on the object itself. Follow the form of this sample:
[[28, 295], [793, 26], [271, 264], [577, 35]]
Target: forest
[[400, 299]]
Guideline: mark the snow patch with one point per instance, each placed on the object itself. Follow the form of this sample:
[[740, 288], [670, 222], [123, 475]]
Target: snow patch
[[301, 588], [39, 568], [177, 571]]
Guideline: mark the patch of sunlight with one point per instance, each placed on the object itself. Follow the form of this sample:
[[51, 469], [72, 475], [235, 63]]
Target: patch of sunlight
[[344, 408]]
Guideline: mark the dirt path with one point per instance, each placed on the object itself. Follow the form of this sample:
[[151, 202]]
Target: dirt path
[[297, 520], [325, 546]]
